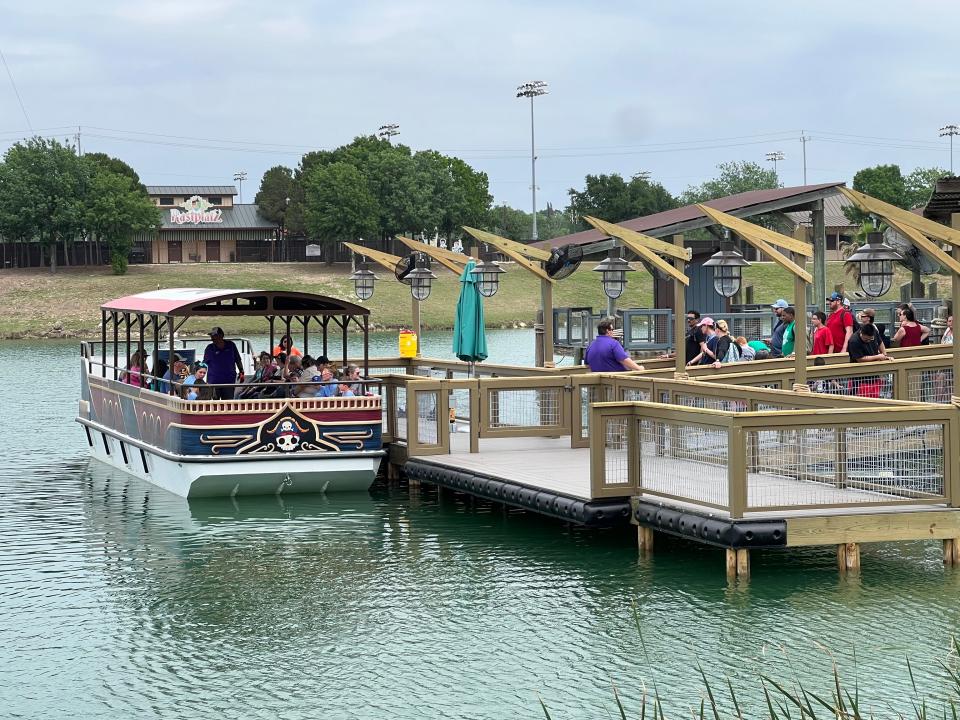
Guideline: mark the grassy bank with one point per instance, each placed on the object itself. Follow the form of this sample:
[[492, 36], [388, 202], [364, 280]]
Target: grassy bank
[[34, 303]]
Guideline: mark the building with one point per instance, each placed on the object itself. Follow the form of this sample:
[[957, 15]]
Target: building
[[202, 223]]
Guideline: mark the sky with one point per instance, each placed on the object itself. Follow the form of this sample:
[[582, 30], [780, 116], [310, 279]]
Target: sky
[[193, 92]]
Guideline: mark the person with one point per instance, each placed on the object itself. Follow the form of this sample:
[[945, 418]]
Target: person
[[839, 322], [328, 388], [747, 351], [759, 346], [355, 379], [286, 346], [779, 327], [199, 374], [178, 371], [694, 336], [869, 315], [262, 374], [310, 366], [726, 350], [605, 354], [910, 333], [864, 346], [790, 331], [136, 369], [224, 362], [947, 337], [707, 354], [345, 389], [199, 390], [160, 368], [822, 339]]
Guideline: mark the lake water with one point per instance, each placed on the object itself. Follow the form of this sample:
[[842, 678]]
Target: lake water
[[118, 600]]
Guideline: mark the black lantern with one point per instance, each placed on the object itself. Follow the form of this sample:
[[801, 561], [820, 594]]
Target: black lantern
[[487, 274], [421, 279], [875, 259], [727, 263], [614, 278], [363, 280]]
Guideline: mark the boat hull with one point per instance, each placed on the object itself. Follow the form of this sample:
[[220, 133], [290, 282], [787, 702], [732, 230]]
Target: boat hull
[[226, 477]]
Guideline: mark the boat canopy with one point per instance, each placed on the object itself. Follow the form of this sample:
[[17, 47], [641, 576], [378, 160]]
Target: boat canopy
[[188, 302]]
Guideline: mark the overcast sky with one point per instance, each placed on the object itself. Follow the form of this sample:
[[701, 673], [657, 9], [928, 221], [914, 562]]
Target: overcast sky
[[669, 88]]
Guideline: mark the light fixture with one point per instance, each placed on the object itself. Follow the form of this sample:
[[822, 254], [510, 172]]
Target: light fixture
[[728, 263], [363, 280], [421, 279], [614, 278], [487, 275], [875, 259]]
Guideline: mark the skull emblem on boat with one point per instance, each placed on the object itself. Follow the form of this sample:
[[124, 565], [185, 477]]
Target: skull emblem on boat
[[288, 437]]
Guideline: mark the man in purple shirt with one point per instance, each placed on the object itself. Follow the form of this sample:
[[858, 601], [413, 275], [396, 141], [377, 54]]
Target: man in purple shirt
[[606, 354], [221, 357]]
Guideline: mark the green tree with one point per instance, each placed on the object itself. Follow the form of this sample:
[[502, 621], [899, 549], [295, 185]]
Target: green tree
[[919, 185], [338, 204], [884, 182], [734, 177], [42, 186], [117, 207], [612, 198], [457, 194], [280, 199], [517, 225], [115, 165]]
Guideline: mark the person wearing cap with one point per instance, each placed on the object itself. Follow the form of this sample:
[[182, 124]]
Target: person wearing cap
[[839, 322], [779, 328], [224, 363], [605, 354], [708, 346]]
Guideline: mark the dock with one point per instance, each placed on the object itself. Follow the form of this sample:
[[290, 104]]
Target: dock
[[727, 459]]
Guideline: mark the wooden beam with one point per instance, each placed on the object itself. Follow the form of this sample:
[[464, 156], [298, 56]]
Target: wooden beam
[[632, 238], [456, 267], [924, 245], [748, 234], [873, 527], [887, 211], [742, 228], [503, 243], [507, 249], [385, 260]]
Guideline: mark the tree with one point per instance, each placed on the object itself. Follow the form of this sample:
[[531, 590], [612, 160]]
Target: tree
[[611, 198], [280, 199], [884, 182], [735, 177], [517, 225], [116, 208], [919, 185], [42, 186], [115, 165], [338, 204]]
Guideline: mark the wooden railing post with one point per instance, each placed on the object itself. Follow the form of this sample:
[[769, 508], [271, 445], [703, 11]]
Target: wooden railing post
[[736, 469], [951, 458]]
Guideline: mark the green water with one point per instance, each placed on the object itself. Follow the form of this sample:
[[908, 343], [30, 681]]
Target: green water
[[118, 600]]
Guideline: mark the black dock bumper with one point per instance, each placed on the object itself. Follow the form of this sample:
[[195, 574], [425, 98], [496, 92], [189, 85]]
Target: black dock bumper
[[709, 529]]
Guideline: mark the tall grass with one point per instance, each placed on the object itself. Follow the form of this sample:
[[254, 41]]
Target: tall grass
[[791, 699]]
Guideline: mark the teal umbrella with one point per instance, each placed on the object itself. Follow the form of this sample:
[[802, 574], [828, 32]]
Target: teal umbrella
[[469, 338]]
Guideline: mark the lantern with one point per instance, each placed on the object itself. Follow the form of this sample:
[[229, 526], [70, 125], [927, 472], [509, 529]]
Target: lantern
[[875, 259], [728, 264]]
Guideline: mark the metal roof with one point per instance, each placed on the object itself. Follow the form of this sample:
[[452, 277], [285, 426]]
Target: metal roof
[[186, 302], [944, 201], [833, 216], [689, 217], [188, 190], [235, 217]]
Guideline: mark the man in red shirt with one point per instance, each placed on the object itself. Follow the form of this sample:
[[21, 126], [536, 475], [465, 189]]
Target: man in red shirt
[[840, 323], [822, 338]]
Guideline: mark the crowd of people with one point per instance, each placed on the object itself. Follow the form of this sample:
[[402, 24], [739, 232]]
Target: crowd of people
[[285, 372], [710, 342]]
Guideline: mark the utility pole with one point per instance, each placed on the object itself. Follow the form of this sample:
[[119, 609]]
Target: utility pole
[[385, 132], [950, 130], [79, 151], [239, 177], [803, 140], [774, 157], [533, 89]]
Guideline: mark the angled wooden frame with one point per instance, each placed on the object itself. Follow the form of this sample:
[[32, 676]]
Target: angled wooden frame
[[641, 249], [454, 264], [509, 248]]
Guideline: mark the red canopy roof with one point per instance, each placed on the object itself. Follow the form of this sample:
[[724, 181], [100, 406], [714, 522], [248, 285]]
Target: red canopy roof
[[209, 301]]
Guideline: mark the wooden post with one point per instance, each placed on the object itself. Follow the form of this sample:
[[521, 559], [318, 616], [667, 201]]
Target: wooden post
[[951, 551], [644, 538], [743, 564], [848, 557], [955, 295], [819, 253], [546, 302], [800, 322], [679, 318], [731, 564]]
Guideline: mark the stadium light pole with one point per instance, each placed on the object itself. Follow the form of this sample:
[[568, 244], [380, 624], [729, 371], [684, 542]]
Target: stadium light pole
[[950, 130], [533, 89]]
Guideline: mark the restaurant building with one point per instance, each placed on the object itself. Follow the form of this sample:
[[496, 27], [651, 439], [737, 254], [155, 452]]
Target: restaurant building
[[202, 223]]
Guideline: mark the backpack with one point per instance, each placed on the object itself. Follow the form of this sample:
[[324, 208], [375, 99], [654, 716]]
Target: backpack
[[733, 353]]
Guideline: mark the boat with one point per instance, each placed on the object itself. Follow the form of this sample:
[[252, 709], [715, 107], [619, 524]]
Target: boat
[[230, 446]]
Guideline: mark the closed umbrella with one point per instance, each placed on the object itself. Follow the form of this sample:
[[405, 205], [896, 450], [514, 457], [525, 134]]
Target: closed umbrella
[[469, 338]]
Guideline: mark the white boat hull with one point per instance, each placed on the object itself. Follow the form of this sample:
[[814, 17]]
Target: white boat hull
[[320, 473]]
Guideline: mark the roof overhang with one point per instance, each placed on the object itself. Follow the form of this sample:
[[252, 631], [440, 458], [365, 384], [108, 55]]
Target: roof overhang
[[187, 302]]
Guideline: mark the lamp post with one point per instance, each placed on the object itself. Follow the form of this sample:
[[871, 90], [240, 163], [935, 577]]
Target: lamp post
[[950, 130], [729, 263], [385, 132], [363, 280], [875, 262], [239, 177], [421, 281], [533, 89], [774, 157]]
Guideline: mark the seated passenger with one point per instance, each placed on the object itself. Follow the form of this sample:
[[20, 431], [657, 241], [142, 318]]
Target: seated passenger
[[354, 379], [310, 367], [264, 369], [176, 373], [329, 386], [199, 374], [286, 347], [199, 390], [136, 369], [345, 389]]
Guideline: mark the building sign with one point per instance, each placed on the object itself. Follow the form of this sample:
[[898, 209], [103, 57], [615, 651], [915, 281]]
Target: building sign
[[196, 210]]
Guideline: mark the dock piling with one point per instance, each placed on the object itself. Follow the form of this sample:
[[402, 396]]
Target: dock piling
[[848, 557], [738, 564], [951, 551], [645, 538]]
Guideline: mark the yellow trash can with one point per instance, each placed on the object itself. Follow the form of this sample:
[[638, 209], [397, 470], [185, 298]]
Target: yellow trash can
[[408, 344]]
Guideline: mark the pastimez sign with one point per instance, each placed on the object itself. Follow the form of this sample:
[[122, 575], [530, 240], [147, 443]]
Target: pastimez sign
[[196, 210]]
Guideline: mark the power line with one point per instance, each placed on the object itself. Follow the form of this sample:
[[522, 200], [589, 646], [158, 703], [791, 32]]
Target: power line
[[16, 91]]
